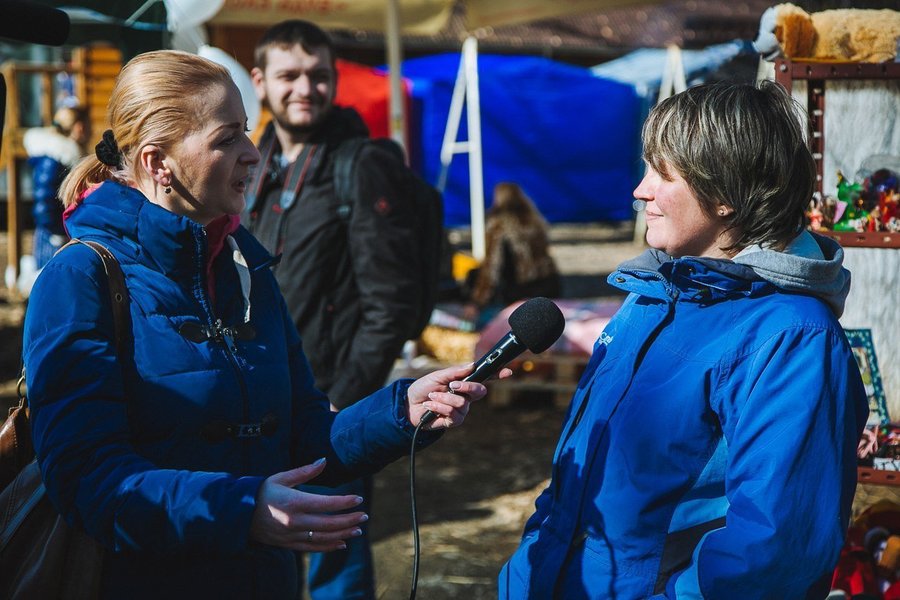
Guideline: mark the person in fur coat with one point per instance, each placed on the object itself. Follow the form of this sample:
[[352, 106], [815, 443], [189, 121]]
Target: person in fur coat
[[52, 151]]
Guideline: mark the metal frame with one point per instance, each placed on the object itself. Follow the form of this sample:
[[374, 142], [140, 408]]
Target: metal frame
[[816, 74]]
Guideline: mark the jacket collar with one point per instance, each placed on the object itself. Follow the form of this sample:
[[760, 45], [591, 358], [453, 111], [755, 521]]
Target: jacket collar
[[657, 275], [151, 235], [811, 265]]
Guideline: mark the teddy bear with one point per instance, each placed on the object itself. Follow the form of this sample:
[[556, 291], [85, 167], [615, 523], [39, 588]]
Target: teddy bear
[[844, 34]]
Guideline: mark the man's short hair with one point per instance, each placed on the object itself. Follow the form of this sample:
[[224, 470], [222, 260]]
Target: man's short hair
[[740, 145], [288, 34]]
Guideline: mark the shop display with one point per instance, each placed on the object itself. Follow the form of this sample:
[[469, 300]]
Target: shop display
[[870, 205]]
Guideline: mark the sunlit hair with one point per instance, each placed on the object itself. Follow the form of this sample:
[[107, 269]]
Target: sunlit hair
[[157, 99], [288, 34], [742, 146], [510, 200]]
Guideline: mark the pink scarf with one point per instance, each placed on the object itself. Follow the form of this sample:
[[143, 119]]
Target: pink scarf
[[217, 231]]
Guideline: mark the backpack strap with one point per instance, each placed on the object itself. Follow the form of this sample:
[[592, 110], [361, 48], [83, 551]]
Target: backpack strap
[[344, 159], [118, 291], [118, 295]]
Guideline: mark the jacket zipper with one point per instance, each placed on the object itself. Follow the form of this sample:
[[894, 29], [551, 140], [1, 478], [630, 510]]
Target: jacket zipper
[[672, 292], [224, 336]]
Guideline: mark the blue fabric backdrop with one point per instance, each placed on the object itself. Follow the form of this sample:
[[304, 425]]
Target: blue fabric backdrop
[[569, 138]]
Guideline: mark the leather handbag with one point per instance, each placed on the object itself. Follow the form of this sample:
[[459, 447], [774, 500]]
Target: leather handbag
[[16, 449], [41, 556]]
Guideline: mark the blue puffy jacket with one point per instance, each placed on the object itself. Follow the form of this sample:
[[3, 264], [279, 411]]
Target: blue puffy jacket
[[141, 449], [47, 175], [50, 155], [709, 450]]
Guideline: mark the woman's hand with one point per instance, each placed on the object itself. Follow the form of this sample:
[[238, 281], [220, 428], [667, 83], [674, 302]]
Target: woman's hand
[[297, 520], [445, 394]]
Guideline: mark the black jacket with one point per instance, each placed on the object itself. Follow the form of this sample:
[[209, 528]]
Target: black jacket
[[347, 270]]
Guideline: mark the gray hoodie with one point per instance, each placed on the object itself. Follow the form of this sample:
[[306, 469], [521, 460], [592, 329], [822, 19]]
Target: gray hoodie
[[811, 264]]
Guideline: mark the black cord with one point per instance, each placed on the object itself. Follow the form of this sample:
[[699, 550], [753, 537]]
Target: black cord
[[415, 517]]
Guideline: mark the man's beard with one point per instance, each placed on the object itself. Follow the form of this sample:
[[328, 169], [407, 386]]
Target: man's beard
[[305, 130]]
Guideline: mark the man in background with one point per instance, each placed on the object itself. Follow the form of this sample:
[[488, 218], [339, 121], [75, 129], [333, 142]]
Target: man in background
[[347, 240]]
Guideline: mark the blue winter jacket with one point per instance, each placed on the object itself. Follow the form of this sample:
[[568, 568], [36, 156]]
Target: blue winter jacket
[[709, 451], [47, 175], [160, 453], [50, 155]]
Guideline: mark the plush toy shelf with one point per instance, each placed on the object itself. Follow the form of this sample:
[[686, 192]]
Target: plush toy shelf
[[789, 70], [816, 73], [872, 257]]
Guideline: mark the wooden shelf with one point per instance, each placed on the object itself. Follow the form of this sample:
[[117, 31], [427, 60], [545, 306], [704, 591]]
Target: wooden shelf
[[787, 71], [866, 239], [816, 74], [871, 476]]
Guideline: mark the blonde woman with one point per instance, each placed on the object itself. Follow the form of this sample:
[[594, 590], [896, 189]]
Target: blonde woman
[[181, 457]]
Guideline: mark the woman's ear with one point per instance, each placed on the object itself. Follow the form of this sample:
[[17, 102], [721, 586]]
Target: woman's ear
[[152, 163], [723, 210]]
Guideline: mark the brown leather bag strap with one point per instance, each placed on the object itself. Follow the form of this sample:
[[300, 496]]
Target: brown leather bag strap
[[118, 291]]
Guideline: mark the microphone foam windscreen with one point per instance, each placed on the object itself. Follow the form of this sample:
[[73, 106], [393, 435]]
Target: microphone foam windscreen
[[537, 324]]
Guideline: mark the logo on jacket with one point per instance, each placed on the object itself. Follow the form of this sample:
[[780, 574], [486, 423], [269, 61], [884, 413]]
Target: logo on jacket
[[383, 207], [605, 339]]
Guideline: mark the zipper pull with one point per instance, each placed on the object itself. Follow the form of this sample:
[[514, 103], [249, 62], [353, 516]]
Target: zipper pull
[[226, 335]]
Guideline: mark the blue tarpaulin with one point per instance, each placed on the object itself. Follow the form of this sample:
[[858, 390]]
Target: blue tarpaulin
[[569, 138]]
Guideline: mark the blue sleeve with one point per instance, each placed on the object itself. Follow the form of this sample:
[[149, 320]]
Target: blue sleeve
[[362, 438], [791, 422], [82, 436]]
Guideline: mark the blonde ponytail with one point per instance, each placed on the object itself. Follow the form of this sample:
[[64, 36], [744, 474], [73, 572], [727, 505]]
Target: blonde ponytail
[[88, 172]]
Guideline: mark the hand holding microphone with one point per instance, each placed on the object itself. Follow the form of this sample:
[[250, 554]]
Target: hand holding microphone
[[534, 326]]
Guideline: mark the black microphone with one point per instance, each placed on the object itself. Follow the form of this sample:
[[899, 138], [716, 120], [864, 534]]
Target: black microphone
[[33, 23], [534, 326]]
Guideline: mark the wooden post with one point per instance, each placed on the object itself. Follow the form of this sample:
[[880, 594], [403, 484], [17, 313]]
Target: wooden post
[[14, 233], [95, 69]]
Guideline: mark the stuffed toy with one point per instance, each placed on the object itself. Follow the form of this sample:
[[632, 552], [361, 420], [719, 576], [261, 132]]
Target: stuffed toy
[[845, 34]]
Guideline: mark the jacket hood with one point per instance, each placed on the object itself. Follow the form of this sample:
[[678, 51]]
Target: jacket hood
[[811, 264], [47, 141]]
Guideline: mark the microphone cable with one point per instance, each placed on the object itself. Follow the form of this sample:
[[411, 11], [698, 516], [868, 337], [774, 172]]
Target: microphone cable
[[415, 517], [534, 326]]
